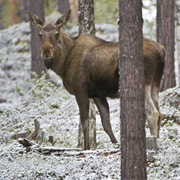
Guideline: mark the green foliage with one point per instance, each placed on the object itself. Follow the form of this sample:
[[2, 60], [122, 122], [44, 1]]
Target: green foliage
[[42, 87], [5, 12], [106, 11], [50, 7]]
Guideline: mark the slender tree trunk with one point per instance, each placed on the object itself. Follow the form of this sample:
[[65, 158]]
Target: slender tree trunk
[[14, 9], [25, 5], [37, 64], [165, 36], [133, 141], [74, 8], [86, 26], [177, 37]]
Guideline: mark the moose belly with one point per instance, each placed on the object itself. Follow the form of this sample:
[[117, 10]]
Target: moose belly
[[103, 89]]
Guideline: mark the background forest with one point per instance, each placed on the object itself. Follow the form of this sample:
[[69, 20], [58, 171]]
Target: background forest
[[105, 11]]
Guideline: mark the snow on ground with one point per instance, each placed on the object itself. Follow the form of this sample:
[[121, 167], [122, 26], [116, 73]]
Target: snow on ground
[[39, 99]]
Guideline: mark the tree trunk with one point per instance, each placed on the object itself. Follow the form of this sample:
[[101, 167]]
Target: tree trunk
[[37, 64], [74, 9], [177, 37], [165, 36], [25, 5], [14, 9], [86, 16], [63, 6], [86, 26], [133, 141]]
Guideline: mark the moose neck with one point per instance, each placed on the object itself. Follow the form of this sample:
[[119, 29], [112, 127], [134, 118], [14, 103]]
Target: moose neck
[[59, 61]]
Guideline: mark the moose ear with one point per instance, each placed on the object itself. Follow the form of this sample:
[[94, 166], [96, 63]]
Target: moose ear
[[35, 20], [63, 19]]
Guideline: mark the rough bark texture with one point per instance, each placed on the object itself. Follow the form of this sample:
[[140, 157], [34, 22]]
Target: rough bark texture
[[86, 26], [165, 36], [86, 16], [177, 37], [37, 64], [133, 142]]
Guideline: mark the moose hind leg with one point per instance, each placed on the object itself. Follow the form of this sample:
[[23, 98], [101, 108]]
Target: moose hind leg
[[83, 103], [103, 108], [151, 112], [154, 95]]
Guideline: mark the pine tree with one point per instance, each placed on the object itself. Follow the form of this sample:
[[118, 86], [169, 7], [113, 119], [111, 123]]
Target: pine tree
[[37, 64], [131, 84], [165, 36]]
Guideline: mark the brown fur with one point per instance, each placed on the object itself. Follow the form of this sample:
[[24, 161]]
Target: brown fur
[[88, 67]]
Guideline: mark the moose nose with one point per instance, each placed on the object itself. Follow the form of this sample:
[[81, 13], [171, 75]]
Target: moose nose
[[47, 51], [47, 57], [47, 61]]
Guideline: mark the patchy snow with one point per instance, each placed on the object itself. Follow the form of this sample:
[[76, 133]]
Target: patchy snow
[[48, 102]]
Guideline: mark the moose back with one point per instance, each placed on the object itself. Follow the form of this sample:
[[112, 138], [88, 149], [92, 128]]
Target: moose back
[[88, 67]]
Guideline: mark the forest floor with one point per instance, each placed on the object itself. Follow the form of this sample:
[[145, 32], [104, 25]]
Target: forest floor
[[27, 100]]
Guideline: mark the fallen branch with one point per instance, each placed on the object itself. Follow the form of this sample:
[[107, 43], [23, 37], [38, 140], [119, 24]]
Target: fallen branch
[[68, 152]]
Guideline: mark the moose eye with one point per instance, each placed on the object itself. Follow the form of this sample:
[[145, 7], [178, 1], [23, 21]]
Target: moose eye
[[40, 35], [56, 35]]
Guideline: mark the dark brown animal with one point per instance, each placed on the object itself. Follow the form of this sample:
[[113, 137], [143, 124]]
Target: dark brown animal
[[88, 67]]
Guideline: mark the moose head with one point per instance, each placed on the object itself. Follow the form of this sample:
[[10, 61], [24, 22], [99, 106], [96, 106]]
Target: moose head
[[50, 36]]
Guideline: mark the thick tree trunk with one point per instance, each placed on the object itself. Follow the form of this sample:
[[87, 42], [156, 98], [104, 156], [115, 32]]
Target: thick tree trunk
[[165, 36], [86, 26], [133, 142], [37, 64]]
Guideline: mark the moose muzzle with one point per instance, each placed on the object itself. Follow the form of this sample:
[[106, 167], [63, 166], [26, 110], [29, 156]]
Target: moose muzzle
[[47, 52]]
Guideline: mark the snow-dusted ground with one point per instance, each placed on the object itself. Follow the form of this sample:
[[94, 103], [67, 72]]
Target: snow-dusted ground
[[57, 112]]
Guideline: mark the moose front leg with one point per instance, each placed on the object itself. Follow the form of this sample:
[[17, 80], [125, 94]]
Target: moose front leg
[[83, 103]]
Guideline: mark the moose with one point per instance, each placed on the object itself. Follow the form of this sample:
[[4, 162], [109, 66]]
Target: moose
[[88, 67]]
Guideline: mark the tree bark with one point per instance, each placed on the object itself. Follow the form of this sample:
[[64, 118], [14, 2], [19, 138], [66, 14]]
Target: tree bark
[[74, 8], [14, 9], [86, 16], [63, 6], [86, 26], [165, 36], [37, 64], [177, 38], [131, 82], [25, 5]]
